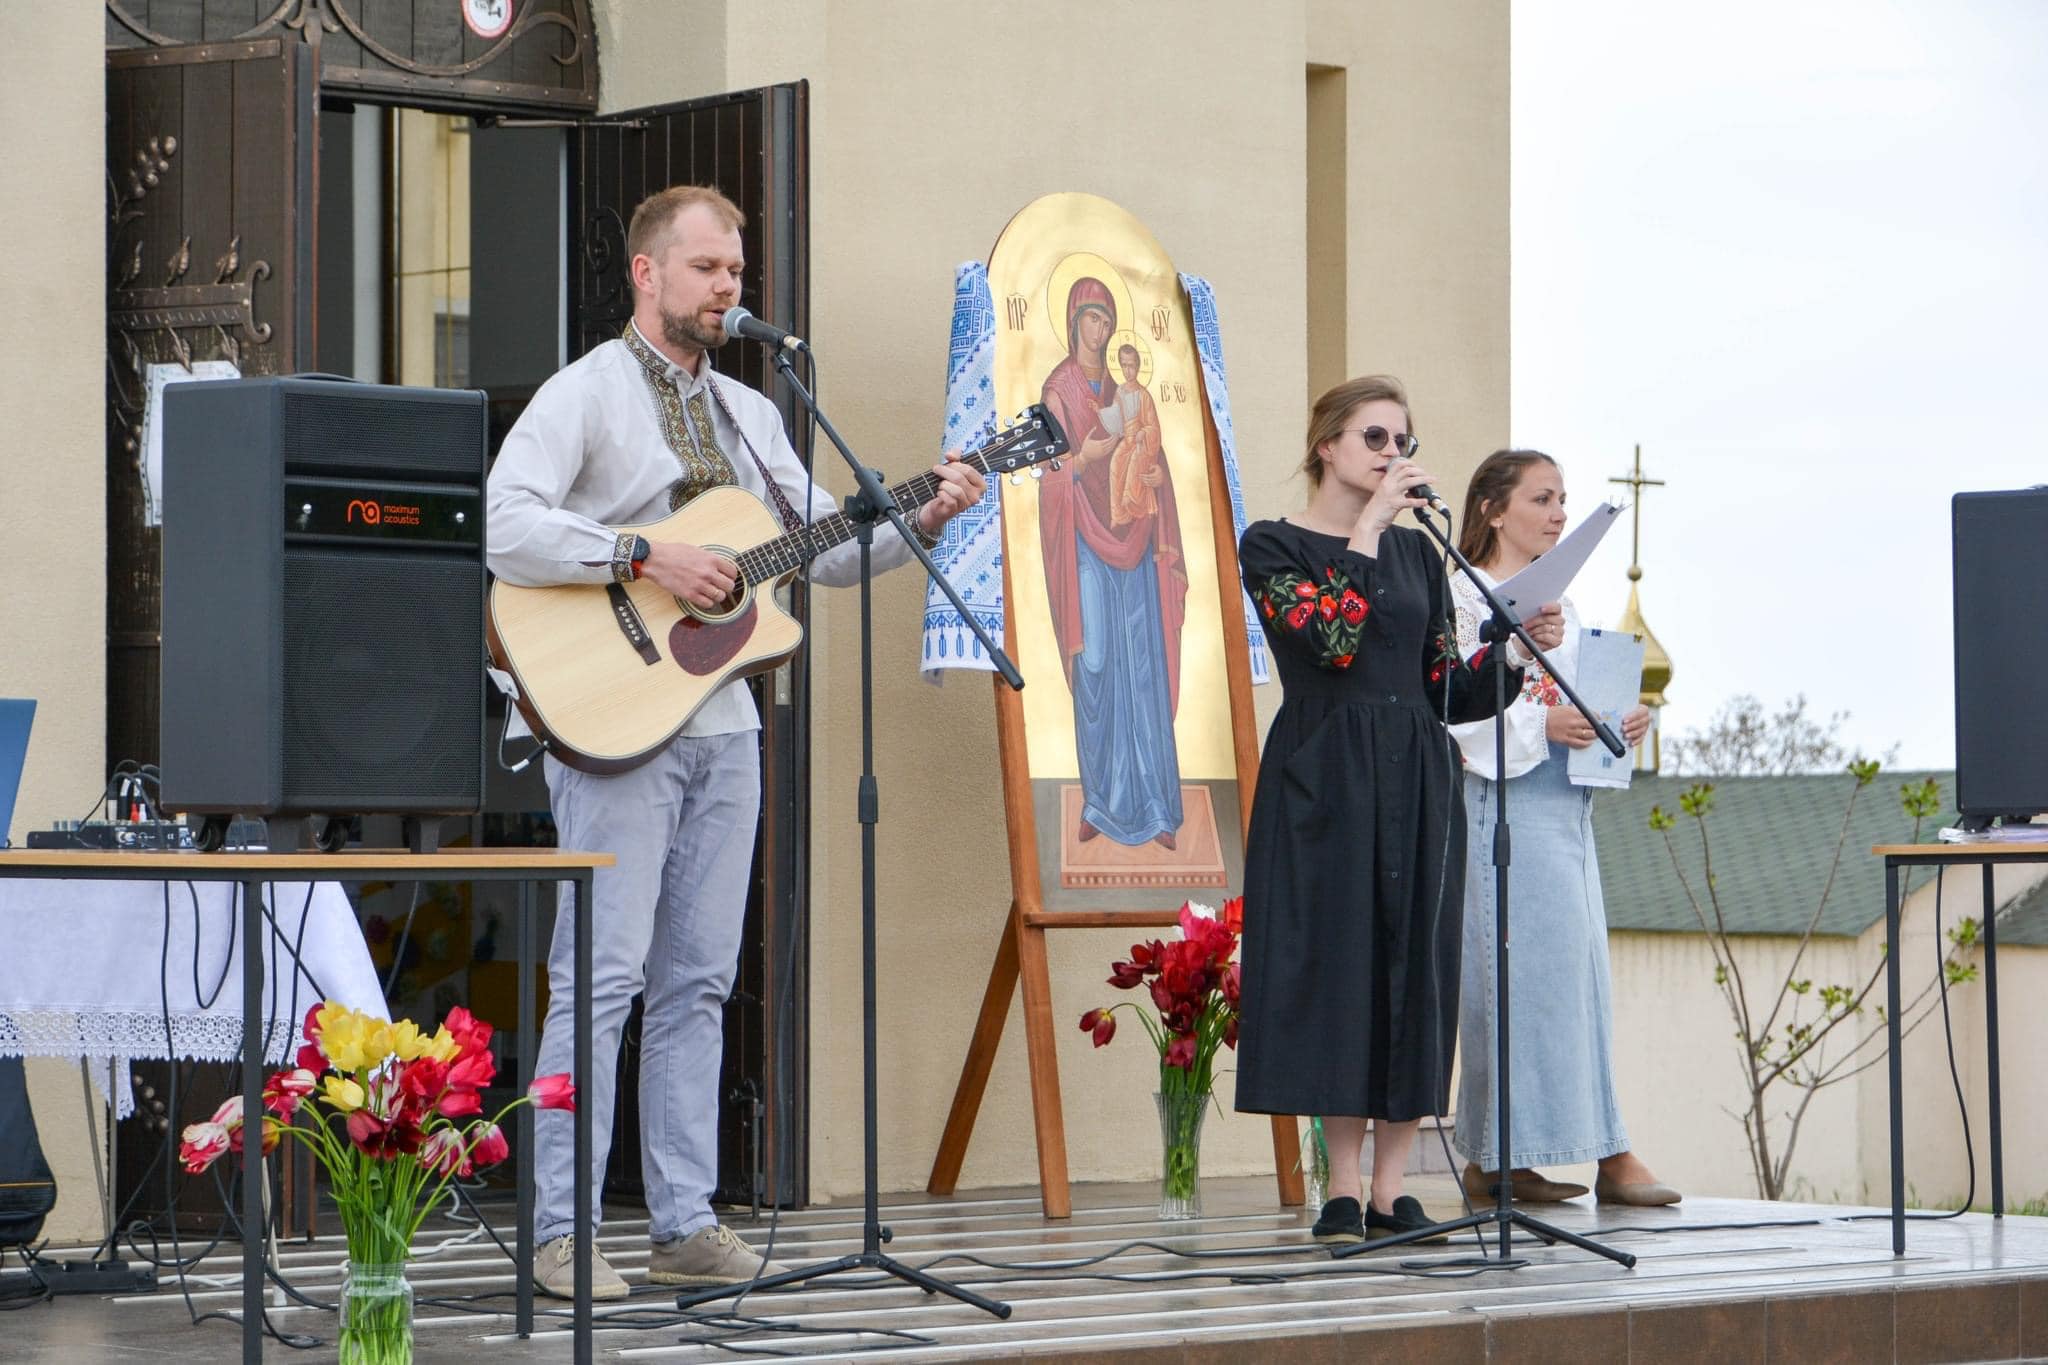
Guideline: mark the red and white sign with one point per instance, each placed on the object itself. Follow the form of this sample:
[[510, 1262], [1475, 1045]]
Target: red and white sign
[[488, 18]]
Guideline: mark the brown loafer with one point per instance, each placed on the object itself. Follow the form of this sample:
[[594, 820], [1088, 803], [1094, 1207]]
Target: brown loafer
[[1644, 1194], [1530, 1187]]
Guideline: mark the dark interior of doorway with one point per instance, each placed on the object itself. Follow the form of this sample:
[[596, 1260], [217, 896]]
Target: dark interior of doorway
[[500, 323]]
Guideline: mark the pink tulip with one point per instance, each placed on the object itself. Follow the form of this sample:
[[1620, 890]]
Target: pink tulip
[[490, 1147], [286, 1090], [442, 1153], [204, 1144], [554, 1092]]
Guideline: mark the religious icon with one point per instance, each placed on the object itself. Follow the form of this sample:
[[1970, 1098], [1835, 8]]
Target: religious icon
[[1117, 580], [1113, 567]]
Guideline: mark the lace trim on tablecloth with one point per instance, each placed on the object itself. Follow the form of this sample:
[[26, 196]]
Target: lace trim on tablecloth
[[117, 1036]]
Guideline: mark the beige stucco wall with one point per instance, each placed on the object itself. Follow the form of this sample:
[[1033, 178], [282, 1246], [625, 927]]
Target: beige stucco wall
[[53, 463], [1679, 1074], [932, 123]]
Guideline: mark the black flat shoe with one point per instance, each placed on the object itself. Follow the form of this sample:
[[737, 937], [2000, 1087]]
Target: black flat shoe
[[1406, 1217], [1340, 1223]]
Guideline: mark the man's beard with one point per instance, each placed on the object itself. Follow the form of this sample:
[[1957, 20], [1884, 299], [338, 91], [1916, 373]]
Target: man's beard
[[682, 329]]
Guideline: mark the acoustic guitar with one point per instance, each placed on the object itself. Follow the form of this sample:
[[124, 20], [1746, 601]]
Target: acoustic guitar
[[607, 675]]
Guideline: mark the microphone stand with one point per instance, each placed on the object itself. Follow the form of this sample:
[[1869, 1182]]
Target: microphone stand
[[1502, 626], [871, 504]]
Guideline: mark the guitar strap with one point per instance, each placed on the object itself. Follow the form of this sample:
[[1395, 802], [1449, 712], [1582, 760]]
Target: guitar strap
[[790, 520], [691, 437]]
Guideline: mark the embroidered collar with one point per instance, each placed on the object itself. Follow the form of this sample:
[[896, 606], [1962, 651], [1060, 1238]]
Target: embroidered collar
[[659, 365]]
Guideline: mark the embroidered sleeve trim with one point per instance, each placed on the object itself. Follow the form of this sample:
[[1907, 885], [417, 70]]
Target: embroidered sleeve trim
[[622, 557], [1329, 616]]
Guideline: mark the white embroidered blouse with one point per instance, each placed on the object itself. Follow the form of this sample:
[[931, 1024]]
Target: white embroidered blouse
[[1527, 716]]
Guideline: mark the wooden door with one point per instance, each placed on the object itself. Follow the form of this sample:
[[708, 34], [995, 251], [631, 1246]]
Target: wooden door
[[210, 184], [752, 145]]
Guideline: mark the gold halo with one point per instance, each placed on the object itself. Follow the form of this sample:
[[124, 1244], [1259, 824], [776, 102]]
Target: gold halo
[[1127, 337], [1061, 283]]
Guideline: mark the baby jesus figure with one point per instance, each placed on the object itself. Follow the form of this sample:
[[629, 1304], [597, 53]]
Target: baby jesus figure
[[1134, 464]]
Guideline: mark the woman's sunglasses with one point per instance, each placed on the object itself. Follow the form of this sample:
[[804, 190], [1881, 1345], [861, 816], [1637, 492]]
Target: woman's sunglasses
[[1376, 440]]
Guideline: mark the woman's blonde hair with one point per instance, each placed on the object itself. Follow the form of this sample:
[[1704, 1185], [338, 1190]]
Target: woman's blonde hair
[[1326, 419]]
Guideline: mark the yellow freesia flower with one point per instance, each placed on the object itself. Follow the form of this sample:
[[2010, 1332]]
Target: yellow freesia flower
[[343, 1093]]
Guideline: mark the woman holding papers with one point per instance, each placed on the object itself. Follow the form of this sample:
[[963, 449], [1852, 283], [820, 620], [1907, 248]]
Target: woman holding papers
[[1356, 847], [1565, 1110]]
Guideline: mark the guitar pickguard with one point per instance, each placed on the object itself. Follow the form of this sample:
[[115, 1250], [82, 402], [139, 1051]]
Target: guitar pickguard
[[701, 648]]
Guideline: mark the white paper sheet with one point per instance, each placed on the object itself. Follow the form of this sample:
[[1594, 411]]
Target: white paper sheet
[[1546, 579], [157, 379], [1610, 681]]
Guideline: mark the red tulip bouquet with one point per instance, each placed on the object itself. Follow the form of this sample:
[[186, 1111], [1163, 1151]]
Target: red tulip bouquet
[[1193, 982], [393, 1114]]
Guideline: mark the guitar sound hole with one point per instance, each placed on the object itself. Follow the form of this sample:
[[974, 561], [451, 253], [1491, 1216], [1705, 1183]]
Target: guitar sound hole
[[725, 607]]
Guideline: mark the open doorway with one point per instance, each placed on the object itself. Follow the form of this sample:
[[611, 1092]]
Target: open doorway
[[429, 206], [448, 257]]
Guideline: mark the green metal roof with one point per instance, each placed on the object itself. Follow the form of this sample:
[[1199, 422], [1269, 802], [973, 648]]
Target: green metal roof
[[2026, 920], [1772, 840]]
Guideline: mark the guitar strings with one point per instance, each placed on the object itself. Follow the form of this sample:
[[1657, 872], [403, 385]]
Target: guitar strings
[[789, 551]]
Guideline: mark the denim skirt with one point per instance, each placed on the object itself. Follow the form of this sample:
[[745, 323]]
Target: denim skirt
[[1561, 1100]]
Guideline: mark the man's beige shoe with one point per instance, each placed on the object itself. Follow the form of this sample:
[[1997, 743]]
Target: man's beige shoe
[[713, 1255], [554, 1272]]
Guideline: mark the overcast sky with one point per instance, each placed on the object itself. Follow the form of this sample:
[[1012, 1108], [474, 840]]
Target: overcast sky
[[1798, 251]]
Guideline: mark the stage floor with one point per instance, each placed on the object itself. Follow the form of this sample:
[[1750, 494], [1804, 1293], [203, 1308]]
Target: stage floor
[[1716, 1279]]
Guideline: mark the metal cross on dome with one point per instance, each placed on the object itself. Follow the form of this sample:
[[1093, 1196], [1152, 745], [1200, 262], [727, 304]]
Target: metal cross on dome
[[1636, 483]]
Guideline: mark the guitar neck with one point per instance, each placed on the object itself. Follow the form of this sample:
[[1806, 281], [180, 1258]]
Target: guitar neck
[[772, 559]]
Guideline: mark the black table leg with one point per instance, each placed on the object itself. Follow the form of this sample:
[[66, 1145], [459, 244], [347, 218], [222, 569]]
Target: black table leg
[[1891, 1025], [523, 1261], [252, 1123], [584, 1072], [1991, 1044]]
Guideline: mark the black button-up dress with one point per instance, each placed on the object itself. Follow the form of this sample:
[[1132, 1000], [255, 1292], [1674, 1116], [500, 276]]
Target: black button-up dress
[[1354, 866]]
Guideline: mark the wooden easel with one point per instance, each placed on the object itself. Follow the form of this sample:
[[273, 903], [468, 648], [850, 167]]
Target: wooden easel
[[1020, 953]]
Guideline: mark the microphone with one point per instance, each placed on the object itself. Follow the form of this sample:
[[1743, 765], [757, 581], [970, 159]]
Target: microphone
[[1420, 490], [739, 323]]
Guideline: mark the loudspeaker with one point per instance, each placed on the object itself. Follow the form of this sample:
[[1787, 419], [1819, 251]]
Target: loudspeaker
[[323, 598], [2001, 563]]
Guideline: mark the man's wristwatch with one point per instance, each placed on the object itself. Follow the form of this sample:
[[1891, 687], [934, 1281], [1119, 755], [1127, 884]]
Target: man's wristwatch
[[641, 549]]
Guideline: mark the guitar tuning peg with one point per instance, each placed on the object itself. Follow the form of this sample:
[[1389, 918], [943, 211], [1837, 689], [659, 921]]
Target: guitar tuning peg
[[1038, 471], [1015, 478]]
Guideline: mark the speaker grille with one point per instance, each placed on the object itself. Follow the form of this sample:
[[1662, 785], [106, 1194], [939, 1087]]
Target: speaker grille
[[2001, 561], [358, 429], [383, 698]]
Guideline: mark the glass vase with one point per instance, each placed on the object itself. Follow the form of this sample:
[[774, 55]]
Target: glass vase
[[1180, 1140], [1315, 1166], [376, 1314]]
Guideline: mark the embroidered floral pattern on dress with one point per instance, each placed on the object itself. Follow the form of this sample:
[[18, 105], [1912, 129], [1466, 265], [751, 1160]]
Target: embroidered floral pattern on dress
[[1445, 656], [1541, 688], [1331, 614]]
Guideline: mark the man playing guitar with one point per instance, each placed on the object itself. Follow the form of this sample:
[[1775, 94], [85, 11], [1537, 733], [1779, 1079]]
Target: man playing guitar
[[623, 437]]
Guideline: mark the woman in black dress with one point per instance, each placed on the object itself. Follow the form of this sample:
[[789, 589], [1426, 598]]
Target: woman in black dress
[[1354, 866]]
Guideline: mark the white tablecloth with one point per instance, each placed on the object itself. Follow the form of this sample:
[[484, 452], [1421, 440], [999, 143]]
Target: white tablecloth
[[88, 970]]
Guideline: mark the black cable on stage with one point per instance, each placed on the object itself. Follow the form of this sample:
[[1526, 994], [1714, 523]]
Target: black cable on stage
[[405, 934], [1955, 1077], [38, 1291], [784, 1002]]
